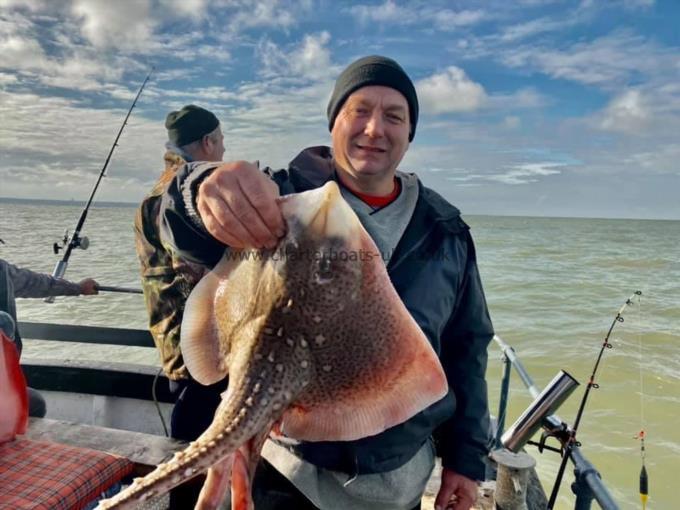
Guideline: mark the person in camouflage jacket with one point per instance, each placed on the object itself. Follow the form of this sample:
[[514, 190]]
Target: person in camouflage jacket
[[167, 280], [194, 134]]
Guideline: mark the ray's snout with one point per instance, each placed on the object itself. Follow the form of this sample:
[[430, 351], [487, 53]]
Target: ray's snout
[[323, 212]]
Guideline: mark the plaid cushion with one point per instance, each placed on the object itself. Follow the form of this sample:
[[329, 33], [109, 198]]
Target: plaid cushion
[[37, 475]]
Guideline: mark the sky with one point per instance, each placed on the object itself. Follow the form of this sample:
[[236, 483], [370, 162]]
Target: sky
[[528, 107]]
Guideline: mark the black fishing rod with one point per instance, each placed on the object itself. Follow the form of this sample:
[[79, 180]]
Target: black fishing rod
[[76, 241], [114, 288], [571, 442]]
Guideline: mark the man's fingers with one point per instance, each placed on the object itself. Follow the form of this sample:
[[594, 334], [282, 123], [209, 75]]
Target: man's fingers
[[463, 502], [443, 497], [211, 223], [218, 217], [243, 217], [456, 492], [262, 193], [228, 239], [455, 501], [233, 203], [225, 226]]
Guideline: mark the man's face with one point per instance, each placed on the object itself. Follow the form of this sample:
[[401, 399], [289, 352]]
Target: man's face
[[370, 135]]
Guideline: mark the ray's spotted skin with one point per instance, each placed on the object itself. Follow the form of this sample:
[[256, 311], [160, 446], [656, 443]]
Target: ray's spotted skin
[[316, 343]]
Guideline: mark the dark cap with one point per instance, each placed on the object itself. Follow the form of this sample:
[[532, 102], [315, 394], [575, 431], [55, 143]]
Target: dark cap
[[373, 70], [189, 124]]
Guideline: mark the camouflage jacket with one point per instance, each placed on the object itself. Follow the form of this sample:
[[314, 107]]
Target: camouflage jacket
[[167, 280], [24, 283]]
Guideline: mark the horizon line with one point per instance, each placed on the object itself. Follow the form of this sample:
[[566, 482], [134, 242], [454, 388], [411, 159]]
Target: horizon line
[[122, 204]]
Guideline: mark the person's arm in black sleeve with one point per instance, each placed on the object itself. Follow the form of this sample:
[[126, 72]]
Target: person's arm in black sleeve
[[463, 441], [182, 230]]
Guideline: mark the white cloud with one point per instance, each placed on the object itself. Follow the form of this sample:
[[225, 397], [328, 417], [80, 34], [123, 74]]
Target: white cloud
[[33, 5], [535, 3], [638, 4], [313, 57], [69, 65], [125, 24], [448, 19], [48, 141], [527, 97], [310, 60], [662, 160], [21, 53], [65, 61], [626, 113], [246, 14], [534, 27], [649, 112], [526, 172], [512, 122], [450, 91], [607, 61], [7, 79], [192, 8], [389, 12]]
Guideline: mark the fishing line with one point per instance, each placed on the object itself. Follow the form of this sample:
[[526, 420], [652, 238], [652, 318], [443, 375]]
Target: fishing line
[[155, 401], [644, 480]]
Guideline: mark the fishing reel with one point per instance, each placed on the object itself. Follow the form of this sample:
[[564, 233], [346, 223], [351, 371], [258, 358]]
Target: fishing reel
[[77, 241], [561, 432]]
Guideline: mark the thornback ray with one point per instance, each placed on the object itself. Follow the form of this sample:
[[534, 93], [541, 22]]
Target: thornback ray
[[315, 339]]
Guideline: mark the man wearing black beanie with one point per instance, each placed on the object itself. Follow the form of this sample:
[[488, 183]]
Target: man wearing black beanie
[[430, 258]]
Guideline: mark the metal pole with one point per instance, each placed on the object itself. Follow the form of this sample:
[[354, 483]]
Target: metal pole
[[503, 401]]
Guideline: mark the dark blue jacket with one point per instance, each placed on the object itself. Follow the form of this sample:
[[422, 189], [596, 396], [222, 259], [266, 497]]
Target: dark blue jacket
[[434, 271]]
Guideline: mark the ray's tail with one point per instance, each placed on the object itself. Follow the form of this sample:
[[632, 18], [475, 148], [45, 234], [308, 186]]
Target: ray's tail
[[233, 425]]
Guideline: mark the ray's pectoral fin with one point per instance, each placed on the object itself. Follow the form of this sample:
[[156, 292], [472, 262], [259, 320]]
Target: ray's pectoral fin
[[375, 370], [205, 348], [385, 392]]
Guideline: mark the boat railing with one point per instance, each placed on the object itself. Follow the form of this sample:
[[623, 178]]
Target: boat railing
[[588, 484], [101, 377]]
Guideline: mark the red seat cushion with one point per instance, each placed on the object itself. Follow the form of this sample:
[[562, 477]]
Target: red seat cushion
[[37, 475]]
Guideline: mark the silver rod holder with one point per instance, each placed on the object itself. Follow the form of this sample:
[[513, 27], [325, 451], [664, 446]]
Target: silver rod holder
[[544, 405]]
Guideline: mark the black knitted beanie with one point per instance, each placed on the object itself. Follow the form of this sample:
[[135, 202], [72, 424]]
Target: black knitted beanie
[[373, 70], [189, 124]]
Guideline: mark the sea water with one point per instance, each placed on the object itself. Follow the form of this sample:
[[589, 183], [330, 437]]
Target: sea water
[[554, 286]]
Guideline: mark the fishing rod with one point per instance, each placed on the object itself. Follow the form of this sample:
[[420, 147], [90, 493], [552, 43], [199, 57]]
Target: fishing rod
[[76, 240], [113, 288], [571, 442]]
